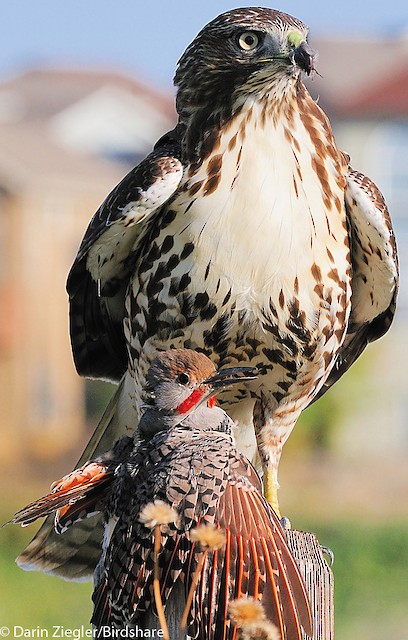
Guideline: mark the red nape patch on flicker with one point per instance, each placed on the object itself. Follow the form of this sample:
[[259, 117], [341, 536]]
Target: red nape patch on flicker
[[191, 401], [194, 399]]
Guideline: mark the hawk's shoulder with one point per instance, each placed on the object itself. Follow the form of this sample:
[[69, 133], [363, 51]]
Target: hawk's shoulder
[[98, 278]]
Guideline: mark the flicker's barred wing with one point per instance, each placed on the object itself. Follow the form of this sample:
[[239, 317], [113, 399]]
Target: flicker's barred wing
[[375, 271], [77, 496], [99, 276], [75, 554], [205, 479], [73, 497]]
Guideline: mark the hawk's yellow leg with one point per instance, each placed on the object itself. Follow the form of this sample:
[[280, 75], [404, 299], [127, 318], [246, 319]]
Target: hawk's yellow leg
[[271, 486]]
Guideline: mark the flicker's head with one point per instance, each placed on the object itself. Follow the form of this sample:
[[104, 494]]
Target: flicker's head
[[181, 385]]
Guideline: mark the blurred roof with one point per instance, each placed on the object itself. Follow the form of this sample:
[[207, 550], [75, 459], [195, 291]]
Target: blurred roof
[[387, 97], [356, 72], [72, 127], [39, 94], [31, 159]]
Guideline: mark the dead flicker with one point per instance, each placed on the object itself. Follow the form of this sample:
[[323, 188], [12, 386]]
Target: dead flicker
[[187, 461]]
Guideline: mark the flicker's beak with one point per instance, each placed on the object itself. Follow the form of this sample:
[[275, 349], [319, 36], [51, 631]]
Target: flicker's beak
[[226, 377], [215, 383], [304, 57]]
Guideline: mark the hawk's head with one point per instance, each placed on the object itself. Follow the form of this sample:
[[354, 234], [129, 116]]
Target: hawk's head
[[241, 51]]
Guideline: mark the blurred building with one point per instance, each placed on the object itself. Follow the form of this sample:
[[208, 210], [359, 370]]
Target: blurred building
[[64, 138], [363, 86]]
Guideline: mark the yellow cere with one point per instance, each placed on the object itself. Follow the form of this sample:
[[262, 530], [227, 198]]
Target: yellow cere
[[295, 38]]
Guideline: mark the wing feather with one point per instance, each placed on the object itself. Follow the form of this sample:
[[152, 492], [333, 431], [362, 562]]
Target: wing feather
[[74, 554], [375, 271], [264, 566], [98, 279], [74, 497]]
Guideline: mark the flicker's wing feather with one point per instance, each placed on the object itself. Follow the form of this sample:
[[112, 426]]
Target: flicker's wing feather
[[258, 559], [67, 496], [206, 480], [375, 271], [98, 278], [74, 551]]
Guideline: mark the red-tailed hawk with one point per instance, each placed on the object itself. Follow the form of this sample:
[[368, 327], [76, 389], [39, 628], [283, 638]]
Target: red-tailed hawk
[[245, 234]]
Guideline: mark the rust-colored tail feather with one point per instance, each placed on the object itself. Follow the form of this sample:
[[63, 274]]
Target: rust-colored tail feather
[[75, 554]]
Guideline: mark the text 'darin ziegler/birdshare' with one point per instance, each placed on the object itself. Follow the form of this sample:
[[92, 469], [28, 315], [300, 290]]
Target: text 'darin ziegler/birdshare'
[[245, 235]]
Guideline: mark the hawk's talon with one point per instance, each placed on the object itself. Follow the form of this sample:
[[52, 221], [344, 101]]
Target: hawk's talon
[[286, 524], [329, 553]]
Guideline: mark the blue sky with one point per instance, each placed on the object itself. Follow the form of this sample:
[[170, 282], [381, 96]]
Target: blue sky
[[147, 38]]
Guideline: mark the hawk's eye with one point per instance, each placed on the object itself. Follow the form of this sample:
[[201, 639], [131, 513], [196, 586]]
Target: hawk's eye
[[248, 40], [183, 378]]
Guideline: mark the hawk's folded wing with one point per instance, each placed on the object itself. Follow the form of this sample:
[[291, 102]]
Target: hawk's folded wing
[[99, 276], [375, 271]]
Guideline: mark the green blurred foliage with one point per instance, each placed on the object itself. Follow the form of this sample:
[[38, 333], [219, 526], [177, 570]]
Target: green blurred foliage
[[318, 425], [97, 396], [371, 579], [31, 599]]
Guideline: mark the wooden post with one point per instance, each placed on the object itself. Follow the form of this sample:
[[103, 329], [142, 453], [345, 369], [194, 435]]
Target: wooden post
[[319, 581]]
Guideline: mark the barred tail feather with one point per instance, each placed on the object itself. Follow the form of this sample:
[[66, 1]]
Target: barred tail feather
[[74, 554]]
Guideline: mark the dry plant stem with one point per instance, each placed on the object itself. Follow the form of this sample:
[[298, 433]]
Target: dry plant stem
[[193, 586], [156, 584]]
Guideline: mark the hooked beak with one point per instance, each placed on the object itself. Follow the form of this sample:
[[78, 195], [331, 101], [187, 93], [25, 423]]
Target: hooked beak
[[304, 57], [227, 377]]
